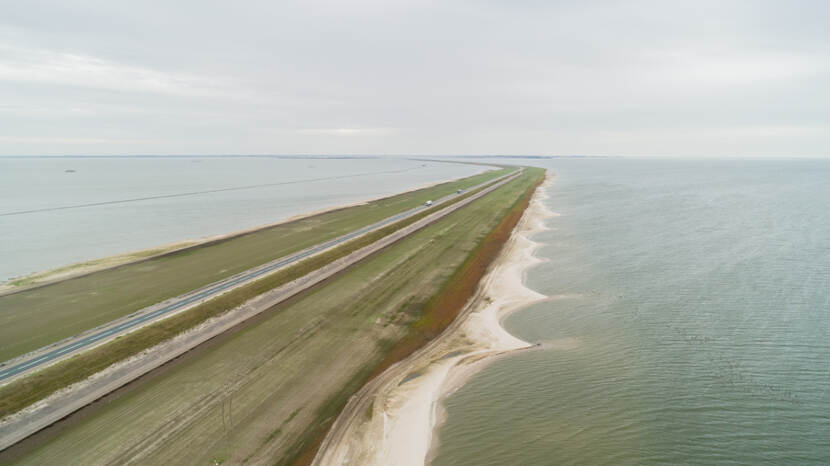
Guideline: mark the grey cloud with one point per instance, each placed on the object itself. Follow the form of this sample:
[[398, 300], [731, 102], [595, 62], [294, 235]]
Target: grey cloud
[[407, 77]]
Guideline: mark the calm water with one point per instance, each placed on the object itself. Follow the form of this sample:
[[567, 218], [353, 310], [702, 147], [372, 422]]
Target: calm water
[[694, 298], [200, 197]]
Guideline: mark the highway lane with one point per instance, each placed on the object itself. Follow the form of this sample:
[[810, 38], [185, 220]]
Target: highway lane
[[217, 288]]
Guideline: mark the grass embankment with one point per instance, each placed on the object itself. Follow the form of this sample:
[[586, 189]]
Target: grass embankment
[[263, 394], [23, 392], [33, 318]]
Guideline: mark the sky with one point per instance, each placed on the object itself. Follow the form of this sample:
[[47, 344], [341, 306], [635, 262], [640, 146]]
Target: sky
[[650, 77]]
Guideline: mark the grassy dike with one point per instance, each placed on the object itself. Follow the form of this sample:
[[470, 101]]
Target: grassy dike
[[439, 312], [25, 391], [35, 317], [267, 391]]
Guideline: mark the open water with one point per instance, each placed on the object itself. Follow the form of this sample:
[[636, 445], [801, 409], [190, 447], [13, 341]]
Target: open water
[[62, 210], [689, 322]]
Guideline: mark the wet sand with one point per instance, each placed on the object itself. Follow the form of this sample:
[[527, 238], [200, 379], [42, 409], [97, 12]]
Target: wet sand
[[392, 420]]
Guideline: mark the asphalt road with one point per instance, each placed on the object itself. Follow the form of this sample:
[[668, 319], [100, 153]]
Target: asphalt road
[[215, 289]]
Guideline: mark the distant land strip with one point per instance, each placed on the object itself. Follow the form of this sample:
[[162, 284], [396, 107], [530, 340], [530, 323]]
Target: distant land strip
[[195, 193]]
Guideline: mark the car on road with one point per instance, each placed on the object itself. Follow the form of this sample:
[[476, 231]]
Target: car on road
[[428, 204]]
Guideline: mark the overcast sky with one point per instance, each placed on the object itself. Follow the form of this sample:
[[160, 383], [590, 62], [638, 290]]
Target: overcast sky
[[659, 77]]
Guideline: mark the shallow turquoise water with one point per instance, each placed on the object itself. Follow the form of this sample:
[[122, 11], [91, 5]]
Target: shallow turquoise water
[[208, 196], [698, 295]]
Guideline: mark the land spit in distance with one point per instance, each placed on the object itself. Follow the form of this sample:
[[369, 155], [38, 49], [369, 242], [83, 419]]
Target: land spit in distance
[[481, 205], [63, 403]]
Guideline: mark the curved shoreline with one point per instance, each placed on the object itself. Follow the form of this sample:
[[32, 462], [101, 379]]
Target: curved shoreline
[[393, 419]]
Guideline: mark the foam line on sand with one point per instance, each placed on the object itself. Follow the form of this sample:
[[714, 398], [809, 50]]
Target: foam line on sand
[[392, 419]]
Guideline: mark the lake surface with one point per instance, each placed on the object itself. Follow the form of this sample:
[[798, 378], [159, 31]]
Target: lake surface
[[59, 211], [689, 322]]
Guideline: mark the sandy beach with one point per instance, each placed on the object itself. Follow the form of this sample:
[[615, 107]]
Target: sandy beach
[[392, 419]]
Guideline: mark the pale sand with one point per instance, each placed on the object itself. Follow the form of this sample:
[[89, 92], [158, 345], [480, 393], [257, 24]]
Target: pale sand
[[391, 421]]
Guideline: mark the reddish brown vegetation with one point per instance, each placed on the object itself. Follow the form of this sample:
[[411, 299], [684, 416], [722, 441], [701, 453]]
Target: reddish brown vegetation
[[442, 309]]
